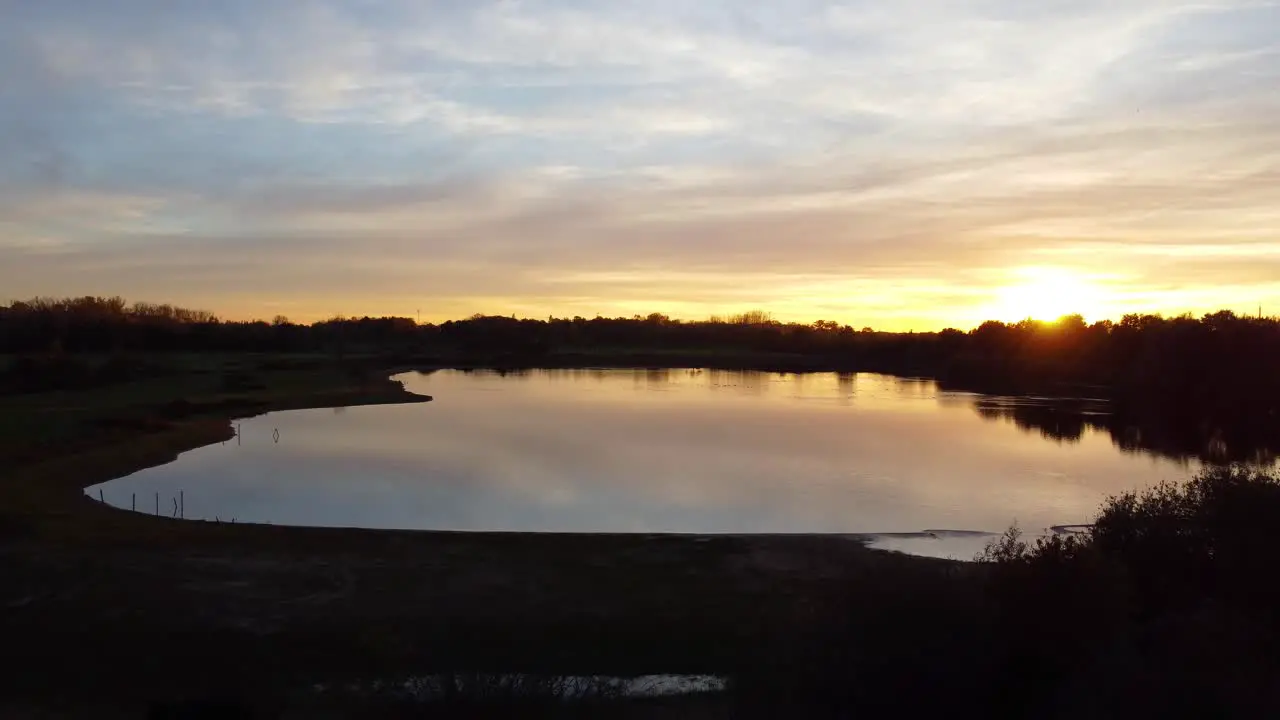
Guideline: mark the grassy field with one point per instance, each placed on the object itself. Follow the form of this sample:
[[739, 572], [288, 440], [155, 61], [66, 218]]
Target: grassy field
[[154, 607]]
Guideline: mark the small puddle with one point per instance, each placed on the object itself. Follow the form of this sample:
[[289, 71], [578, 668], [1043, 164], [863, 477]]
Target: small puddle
[[948, 544], [523, 686]]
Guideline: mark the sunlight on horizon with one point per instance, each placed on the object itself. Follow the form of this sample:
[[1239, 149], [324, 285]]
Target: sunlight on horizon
[[1044, 293], [1047, 294]]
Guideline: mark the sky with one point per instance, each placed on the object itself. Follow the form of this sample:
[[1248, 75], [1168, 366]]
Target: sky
[[903, 165]]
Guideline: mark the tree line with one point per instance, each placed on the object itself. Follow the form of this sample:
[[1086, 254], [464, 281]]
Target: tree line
[[1221, 365], [1203, 356]]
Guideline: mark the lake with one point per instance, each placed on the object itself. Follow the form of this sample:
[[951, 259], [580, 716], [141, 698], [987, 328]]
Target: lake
[[685, 451]]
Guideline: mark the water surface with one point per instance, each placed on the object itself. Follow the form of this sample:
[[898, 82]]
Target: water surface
[[689, 451]]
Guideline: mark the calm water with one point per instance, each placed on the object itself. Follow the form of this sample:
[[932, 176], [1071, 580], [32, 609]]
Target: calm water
[[657, 451]]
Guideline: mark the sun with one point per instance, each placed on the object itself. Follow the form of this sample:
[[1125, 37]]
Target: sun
[[1047, 293]]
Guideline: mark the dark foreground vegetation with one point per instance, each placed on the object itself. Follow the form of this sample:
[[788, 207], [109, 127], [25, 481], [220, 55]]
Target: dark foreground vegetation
[[1165, 609]]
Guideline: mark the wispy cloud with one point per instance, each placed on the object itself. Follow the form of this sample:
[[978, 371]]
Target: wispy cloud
[[878, 163]]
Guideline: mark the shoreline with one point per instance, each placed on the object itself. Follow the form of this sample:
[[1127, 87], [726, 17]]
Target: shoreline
[[101, 466], [160, 605], [54, 489], [184, 603], [165, 450]]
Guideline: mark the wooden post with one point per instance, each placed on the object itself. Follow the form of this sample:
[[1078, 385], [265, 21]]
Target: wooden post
[[133, 502], [157, 504]]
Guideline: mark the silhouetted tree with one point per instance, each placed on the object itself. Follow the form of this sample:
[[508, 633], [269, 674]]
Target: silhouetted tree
[[1205, 387]]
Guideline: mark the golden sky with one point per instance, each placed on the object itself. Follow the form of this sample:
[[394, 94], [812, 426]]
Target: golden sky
[[907, 165]]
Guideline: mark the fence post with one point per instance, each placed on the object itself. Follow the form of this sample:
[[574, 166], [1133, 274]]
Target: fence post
[[133, 502], [182, 504], [157, 504]]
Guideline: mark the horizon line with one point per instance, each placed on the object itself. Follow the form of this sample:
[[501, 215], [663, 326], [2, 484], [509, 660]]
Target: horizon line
[[765, 316]]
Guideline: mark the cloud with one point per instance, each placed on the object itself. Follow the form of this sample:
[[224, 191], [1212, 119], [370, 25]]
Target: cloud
[[531, 155]]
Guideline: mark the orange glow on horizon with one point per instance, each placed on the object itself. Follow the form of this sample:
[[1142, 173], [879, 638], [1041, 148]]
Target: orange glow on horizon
[[1047, 294], [1039, 292]]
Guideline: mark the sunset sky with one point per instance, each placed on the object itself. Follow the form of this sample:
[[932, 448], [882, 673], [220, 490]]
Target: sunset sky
[[904, 165]]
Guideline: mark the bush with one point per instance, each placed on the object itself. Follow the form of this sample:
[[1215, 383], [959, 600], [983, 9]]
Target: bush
[[1165, 608]]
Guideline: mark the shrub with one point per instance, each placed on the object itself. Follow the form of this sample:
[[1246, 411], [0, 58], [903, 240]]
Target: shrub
[[1165, 608]]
